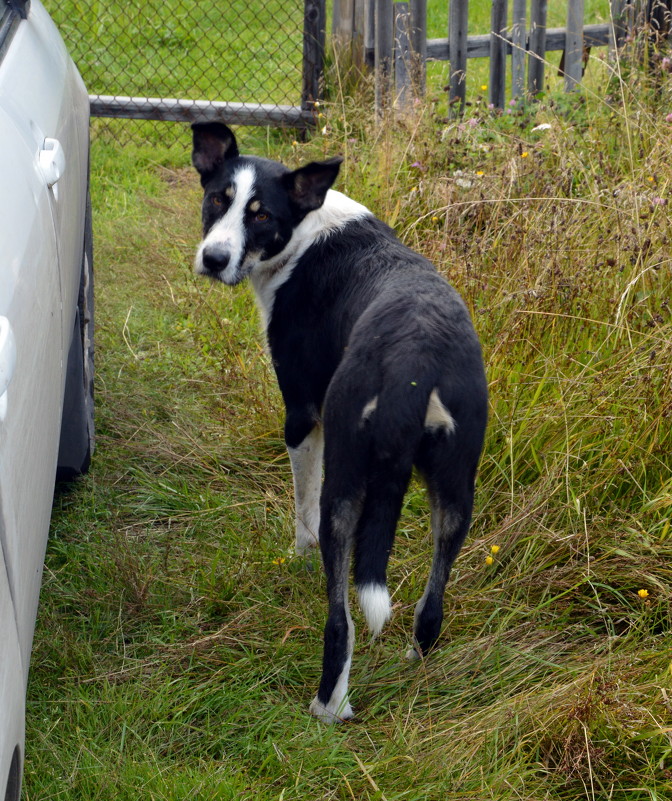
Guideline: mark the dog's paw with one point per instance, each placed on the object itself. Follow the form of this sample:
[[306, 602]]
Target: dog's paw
[[331, 713], [413, 655], [305, 541]]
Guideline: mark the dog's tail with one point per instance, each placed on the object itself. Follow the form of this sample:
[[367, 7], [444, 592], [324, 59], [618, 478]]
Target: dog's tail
[[394, 422]]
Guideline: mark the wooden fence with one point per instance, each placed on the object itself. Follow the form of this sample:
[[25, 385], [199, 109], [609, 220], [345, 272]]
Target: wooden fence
[[392, 38]]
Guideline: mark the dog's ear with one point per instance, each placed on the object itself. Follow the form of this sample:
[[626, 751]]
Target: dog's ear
[[308, 185], [213, 142]]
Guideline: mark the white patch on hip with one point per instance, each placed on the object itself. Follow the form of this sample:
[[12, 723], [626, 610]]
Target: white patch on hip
[[229, 231], [437, 416], [369, 409]]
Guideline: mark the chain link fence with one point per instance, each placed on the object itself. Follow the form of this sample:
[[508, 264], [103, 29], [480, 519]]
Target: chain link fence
[[240, 61]]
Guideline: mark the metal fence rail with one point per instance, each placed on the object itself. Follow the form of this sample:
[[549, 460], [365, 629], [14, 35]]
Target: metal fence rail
[[181, 60]]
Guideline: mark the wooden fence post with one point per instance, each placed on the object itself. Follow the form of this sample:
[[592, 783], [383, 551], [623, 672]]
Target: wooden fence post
[[458, 16], [314, 26], [537, 48], [498, 45], [519, 46], [618, 29], [370, 33], [658, 12], [574, 45]]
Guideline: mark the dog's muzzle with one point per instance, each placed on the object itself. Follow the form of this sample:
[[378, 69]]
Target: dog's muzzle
[[215, 259]]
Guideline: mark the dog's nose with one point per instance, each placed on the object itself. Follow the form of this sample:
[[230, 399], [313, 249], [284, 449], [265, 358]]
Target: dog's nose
[[215, 258]]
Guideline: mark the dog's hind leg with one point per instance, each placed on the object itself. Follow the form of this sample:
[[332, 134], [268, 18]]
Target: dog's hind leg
[[339, 520], [449, 529], [306, 460], [374, 537], [451, 491]]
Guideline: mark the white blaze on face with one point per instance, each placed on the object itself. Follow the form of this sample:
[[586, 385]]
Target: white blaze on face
[[228, 233]]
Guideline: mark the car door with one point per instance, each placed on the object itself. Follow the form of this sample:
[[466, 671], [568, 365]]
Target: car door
[[32, 311]]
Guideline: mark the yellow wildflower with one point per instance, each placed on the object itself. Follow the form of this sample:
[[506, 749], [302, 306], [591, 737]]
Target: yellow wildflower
[[489, 560], [643, 593], [494, 549], [279, 560]]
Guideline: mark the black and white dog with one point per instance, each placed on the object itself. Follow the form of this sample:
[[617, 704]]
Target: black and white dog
[[379, 367]]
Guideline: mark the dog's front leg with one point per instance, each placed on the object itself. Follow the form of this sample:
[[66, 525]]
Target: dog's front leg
[[306, 459]]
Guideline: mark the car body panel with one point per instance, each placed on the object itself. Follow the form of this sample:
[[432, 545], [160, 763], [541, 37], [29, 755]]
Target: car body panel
[[12, 690], [28, 457], [44, 118], [48, 100]]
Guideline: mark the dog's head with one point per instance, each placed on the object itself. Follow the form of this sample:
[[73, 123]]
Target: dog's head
[[251, 206]]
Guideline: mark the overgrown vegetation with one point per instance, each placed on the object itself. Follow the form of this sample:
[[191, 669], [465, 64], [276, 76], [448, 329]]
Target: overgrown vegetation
[[179, 641]]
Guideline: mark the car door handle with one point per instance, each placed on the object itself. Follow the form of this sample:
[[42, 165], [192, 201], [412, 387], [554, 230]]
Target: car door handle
[[52, 161], [7, 362]]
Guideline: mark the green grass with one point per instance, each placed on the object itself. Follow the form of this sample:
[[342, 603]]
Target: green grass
[[179, 641], [235, 51]]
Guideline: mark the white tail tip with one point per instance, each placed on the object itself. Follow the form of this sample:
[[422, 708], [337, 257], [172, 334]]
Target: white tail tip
[[375, 602]]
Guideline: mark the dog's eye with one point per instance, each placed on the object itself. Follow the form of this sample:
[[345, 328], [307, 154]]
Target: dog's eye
[[261, 216], [216, 200]]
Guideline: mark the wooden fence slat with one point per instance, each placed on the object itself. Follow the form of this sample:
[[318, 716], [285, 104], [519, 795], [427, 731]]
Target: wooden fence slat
[[518, 48], [402, 55], [419, 45], [384, 38], [336, 18], [498, 45], [458, 16], [347, 29], [359, 23], [358, 32], [574, 45], [537, 46]]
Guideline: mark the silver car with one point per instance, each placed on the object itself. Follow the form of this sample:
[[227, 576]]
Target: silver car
[[46, 328]]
